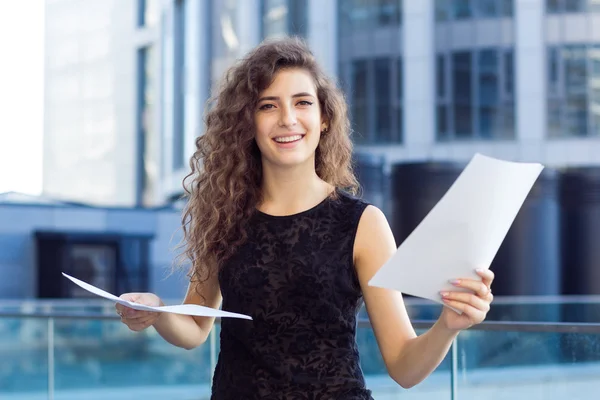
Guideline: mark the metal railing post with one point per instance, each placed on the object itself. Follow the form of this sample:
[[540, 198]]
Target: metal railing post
[[453, 370], [50, 358], [213, 352]]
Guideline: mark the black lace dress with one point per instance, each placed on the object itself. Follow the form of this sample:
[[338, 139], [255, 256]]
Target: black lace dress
[[295, 276]]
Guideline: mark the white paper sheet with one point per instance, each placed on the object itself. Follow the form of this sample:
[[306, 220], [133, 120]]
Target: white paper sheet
[[187, 309], [463, 231]]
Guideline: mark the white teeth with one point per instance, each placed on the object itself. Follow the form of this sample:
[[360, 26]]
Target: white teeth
[[288, 139]]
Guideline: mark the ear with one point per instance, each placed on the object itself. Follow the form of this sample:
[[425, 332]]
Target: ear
[[324, 127]]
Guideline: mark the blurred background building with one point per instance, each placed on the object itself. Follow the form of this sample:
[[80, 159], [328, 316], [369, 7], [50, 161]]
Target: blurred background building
[[429, 82], [91, 149]]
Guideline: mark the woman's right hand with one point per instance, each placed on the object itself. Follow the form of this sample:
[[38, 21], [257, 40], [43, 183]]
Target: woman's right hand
[[137, 320]]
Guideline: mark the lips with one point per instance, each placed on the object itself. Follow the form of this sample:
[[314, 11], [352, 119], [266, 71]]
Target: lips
[[288, 138]]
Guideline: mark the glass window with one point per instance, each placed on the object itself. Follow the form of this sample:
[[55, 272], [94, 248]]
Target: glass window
[[462, 9], [479, 99], [441, 75], [595, 124], [446, 10], [359, 98], [575, 61], [594, 5], [568, 6], [462, 99], [298, 17], [355, 15], [399, 100], [442, 10], [595, 58], [148, 12], [275, 15], [400, 79], [383, 109], [507, 7], [554, 116], [488, 93], [553, 6], [508, 107], [284, 17], [488, 77], [368, 14], [576, 116], [486, 8], [553, 71], [400, 124], [509, 72], [461, 77], [594, 54], [595, 97], [225, 37], [443, 132], [509, 120], [388, 12], [571, 107], [575, 5]]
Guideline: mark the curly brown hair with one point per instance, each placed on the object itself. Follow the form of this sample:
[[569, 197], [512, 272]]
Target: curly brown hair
[[226, 167]]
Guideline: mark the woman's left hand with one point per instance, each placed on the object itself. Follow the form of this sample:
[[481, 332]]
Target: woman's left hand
[[474, 305]]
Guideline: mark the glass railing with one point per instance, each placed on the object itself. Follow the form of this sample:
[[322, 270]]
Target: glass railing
[[61, 351]]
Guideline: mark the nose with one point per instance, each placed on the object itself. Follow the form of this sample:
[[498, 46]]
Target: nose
[[287, 117]]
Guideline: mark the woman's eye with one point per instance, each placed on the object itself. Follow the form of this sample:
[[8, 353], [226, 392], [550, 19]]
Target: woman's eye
[[305, 103], [266, 107]]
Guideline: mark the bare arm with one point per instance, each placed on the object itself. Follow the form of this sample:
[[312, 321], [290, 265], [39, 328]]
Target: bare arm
[[184, 331], [188, 331], [408, 358]]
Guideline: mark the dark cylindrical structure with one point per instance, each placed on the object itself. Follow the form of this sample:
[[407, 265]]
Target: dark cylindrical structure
[[580, 206], [528, 261], [415, 190], [370, 174]]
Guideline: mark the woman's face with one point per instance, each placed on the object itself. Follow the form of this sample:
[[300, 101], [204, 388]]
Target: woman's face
[[288, 120]]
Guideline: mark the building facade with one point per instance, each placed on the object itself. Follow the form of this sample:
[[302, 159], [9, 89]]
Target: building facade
[[426, 80], [100, 145]]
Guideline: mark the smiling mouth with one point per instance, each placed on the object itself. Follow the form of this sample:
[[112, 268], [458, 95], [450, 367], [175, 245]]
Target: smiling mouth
[[288, 139]]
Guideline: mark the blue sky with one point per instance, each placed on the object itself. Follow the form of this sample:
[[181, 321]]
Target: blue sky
[[21, 95]]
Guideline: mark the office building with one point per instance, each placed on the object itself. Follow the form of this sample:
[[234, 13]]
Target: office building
[[426, 80], [100, 145]]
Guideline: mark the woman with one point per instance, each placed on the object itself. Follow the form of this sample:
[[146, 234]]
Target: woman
[[273, 230]]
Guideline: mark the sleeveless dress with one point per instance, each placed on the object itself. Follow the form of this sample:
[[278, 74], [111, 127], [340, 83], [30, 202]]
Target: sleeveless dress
[[295, 277]]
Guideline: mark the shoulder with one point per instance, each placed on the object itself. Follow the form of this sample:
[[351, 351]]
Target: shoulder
[[349, 201], [373, 235]]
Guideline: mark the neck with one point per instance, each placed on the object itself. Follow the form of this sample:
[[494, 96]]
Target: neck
[[291, 190]]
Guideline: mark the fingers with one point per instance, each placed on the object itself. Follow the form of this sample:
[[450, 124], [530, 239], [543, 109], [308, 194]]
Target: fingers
[[130, 296], [132, 314], [139, 321], [478, 287], [486, 275], [474, 314], [140, 324], [466, 299], [124, 310]]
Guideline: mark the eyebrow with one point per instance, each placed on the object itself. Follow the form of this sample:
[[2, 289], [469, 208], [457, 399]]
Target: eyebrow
[[301, 94]]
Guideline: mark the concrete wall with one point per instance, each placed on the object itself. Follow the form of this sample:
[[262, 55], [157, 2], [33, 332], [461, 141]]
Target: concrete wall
[[90, 103], [18, 263]]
